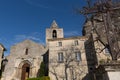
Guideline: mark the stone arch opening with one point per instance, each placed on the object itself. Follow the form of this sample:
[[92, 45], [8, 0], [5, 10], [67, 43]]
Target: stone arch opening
[[25, 71], [54, 34]]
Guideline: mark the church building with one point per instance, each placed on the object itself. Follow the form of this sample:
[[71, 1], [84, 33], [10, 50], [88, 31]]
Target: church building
[[65, 58]]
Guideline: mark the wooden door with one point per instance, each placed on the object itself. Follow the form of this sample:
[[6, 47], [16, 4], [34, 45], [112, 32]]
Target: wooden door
[[25, 71]]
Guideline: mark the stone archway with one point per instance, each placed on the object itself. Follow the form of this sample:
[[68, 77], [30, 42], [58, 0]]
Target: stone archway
[[25, 71]]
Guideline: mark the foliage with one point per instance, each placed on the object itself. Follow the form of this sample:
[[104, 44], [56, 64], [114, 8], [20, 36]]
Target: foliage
[[42, 70], [41, 78], [41, 73], [102, 61]]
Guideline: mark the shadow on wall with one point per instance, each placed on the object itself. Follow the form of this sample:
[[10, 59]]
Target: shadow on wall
[[87, 77], [93, 72], [91, 58], [46, 61], [101, 74]]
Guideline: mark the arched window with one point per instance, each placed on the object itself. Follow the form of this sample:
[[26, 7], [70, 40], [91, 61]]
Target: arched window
[[54, 34], [26, 51]]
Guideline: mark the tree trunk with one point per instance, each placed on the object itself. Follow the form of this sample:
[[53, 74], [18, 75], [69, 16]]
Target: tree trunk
[[66, 75]]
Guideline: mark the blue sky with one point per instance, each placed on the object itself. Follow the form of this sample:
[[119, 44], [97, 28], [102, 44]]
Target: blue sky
[[28, 19]]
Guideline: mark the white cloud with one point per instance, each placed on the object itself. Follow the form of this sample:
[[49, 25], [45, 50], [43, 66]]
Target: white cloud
[[72, 33], [20, 37], [34, 36]]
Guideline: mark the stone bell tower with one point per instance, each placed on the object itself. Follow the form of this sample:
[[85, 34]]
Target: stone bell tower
[[54, 32]]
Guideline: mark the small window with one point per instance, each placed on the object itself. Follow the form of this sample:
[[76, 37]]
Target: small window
[[60, 43], [78, 56], [60, 57], [107, 51], [76, 42], [26, 51], [54, 34]]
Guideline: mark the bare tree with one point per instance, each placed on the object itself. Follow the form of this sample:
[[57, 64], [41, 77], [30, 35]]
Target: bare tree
[[70, 63]]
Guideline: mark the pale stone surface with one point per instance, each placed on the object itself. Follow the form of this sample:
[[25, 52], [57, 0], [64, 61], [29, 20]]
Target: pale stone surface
[[49, 32], [18, 58], [78, 70], [100, 50], [57, 69], [88, 56], [114, 75], [99, 40]]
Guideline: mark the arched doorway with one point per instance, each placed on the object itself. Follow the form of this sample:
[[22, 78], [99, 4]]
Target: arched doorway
[[54, 34], [25, 71]]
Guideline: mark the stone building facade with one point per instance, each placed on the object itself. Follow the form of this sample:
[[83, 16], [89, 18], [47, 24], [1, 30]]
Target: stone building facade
[[105, 68], [67, 58], [24, 61], [73, 58]]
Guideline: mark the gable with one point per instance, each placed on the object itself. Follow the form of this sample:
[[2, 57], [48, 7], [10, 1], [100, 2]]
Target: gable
[[27, 46]]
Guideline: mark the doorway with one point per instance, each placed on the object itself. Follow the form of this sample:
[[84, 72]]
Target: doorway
[[25, 71]]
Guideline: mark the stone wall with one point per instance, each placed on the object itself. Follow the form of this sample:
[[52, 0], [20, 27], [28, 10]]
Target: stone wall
[[19, 56], [77, 69]]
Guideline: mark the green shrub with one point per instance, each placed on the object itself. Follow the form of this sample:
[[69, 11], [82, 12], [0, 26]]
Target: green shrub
[[45, 78], [41, 78], [102, 61], [42, 70], [33, 79]]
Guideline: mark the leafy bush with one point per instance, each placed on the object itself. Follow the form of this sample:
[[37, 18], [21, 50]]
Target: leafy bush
[[45, 78], [102, 61], [41, 78], [41, 73], [42, 70], [33, 79]]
